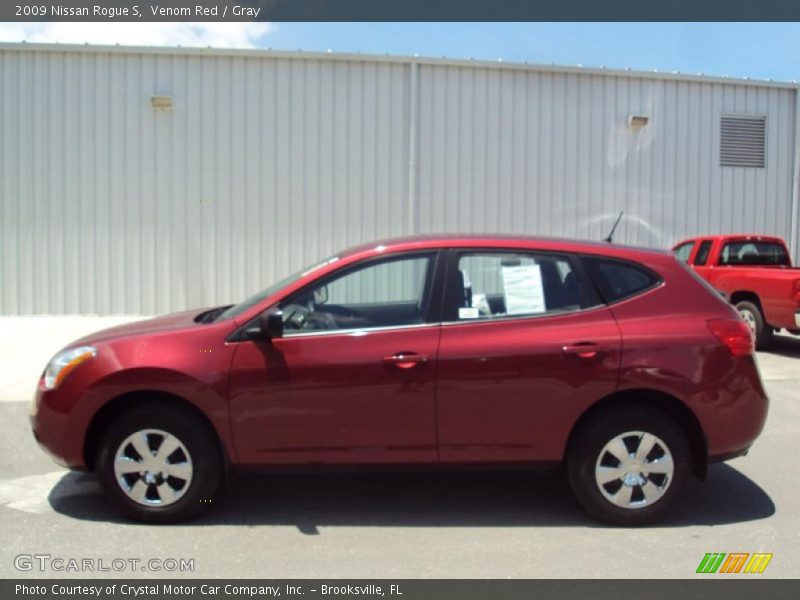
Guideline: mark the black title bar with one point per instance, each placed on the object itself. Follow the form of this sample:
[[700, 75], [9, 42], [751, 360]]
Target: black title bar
[[714, 587], [400, 10]]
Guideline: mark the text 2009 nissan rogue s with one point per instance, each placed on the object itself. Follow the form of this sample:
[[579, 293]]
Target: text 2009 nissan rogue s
[[617, 363]]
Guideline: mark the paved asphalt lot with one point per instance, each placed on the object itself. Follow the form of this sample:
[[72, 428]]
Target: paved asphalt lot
[[501, 524]]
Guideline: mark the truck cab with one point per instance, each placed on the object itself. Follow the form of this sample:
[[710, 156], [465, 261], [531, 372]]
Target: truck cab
[[755, 272]]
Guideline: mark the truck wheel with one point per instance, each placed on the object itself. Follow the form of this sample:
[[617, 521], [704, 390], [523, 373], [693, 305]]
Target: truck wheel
[[159, 464], [628, 465], [751, 315]]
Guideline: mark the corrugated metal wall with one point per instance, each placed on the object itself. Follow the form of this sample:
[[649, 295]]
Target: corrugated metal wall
[[267, 163], [553, 153]]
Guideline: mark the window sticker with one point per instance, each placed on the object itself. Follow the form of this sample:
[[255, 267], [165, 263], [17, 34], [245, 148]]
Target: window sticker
[[468, 313], [523, 290]]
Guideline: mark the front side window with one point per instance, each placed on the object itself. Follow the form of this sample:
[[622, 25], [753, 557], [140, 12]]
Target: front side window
[[683, 251], [389, 293], [701, 258], [754, 253], [492, 285]]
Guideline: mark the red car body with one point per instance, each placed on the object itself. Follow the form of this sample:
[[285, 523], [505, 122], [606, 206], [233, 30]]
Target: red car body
[[501, 391], [773, 288]]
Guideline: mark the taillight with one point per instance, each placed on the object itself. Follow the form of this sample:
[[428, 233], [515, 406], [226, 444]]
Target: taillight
[[797, 291], [734, 334]]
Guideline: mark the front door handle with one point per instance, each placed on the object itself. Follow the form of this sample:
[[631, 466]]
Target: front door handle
[[405, 360], [583, 349]]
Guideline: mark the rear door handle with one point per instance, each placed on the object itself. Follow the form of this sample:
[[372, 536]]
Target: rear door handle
[[405, 360], [583, 349]]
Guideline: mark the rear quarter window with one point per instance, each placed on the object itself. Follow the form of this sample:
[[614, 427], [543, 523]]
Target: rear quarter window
[[620, 279]]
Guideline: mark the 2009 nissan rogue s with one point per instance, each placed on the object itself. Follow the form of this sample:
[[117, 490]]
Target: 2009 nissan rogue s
[[617, 363]]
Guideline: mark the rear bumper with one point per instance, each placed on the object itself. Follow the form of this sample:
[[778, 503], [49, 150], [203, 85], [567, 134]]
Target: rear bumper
[[734, 414]]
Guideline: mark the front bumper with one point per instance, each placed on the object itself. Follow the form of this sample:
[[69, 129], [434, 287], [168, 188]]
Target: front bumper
[[57, 427]]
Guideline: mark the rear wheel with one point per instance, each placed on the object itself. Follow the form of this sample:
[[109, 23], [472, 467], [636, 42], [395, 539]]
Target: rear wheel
[[159, 464], [751, 314], [628, 465]]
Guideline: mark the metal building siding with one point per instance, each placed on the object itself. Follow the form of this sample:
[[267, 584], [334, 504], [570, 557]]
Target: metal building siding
[[261, 167], [270, 161], [529, 152]]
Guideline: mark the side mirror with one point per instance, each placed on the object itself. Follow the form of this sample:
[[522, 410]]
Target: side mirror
[[268, 326], [271, 322]]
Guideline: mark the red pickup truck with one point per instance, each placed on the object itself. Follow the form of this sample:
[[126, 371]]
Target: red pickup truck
[[756, 274]]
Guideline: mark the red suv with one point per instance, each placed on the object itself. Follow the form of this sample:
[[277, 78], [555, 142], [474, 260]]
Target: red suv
[[618, 363]]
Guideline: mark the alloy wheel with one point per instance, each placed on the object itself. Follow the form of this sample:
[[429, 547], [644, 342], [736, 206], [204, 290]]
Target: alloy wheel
[[153, 467], [749, 318], [634, 470]]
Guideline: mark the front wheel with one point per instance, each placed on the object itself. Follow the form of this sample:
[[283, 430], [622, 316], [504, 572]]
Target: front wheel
[[628, 465], [159, 464]]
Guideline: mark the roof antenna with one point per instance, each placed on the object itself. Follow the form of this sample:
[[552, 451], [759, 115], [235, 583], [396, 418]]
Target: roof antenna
[[610, 237]]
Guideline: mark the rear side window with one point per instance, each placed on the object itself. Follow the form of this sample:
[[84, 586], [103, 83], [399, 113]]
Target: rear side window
[[701, 258], [619, 279], [490, 285], [683, 251]]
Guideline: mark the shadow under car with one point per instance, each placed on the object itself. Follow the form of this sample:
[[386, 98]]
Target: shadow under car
[[505, 498]]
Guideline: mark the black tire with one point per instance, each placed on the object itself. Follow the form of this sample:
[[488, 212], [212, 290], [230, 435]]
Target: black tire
[[197, 437], [763, 332], [590, 441]]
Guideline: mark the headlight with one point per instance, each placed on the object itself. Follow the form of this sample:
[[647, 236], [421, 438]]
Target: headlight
[[64, 362]]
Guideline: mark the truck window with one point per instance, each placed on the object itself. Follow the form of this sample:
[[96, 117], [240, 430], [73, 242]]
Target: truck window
[[701, 258], [683, 251], [754, 253]]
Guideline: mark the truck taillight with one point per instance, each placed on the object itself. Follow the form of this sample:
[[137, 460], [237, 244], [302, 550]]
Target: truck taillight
[[734, 334], [797, 291]]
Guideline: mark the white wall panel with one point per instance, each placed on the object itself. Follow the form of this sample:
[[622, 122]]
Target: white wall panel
[[552, 153], [270, 161]]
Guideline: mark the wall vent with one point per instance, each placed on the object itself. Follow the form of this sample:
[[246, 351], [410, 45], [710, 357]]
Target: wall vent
[[742, 141]]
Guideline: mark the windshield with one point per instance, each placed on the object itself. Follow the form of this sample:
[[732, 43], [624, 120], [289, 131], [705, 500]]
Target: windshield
[[237, 309]]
